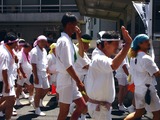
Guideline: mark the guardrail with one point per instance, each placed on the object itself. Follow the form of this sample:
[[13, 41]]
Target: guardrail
[[37, 8]]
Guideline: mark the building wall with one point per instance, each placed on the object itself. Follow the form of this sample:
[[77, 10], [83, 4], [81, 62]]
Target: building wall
[[31, 18]]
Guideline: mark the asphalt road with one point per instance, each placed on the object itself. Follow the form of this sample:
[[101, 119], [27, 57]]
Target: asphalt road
[[26, 111]]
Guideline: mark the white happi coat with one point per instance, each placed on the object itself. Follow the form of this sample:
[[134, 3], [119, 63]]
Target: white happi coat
[[64, 59], [7, 63], [100, 81]]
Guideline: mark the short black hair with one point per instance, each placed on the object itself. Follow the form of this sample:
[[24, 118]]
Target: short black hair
[[9, 37], [111, 35], [26, 45], [68, 18], [86, 36]]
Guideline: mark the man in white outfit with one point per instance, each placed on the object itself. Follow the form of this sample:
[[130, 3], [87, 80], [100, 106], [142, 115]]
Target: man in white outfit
[[39, 66], [100, 81], [7, 61], [143, 71], [68, 83]]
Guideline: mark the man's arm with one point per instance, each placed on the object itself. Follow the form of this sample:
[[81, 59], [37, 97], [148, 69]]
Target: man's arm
[[5, 80], [122, 54], [34, 70], [73, 74], [80, 46], [125, 69]]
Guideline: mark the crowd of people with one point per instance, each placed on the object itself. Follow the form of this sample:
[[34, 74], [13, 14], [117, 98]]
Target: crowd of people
[[83, 84]]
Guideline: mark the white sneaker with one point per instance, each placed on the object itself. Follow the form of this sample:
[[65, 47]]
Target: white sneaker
[[39, 112], [18, 102], [31, 99], [14, 112], [1, 114], [83, 117], [24, 95], [131, 109], [122, 107]]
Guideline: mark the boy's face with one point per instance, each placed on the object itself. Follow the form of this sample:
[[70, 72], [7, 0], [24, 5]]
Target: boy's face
[[86, 46], [42, 43], [72, 26], [112, 47]]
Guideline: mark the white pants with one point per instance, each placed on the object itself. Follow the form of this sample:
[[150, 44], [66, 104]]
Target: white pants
[[103, 114]]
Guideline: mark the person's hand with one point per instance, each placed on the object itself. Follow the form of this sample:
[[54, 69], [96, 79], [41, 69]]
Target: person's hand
[[126, 36], [78, 33], [24, 75], [7, 88], [20, 76], [80, 85]]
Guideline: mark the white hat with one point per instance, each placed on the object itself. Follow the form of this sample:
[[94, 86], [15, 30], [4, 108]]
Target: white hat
[[41, 37]]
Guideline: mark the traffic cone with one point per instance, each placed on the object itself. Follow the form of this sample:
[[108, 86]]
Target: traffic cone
[[53, 89]]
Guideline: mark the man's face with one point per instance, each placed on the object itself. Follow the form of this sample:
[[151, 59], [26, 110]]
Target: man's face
[[72, 26], [42, 43], [112, 47], [145, 45], [86, 46]]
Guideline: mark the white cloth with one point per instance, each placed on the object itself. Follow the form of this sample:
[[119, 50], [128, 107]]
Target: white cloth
[[79, 64], [52, 68], [100, 84], [95, 51], [7, 63], [51, 63], [103, 114], [120, 71], [64, 59], [39, 57], [142, 69], [26, 65]]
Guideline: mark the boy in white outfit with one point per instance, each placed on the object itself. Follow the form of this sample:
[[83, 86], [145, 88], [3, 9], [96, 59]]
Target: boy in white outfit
[[68, 83], [100, 81], [7, 61], [143, 71], [39, 67], [25, 71], [121, 75], [52, 65]]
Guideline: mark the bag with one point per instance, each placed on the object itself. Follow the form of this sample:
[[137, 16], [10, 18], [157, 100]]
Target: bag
[[147, 95]]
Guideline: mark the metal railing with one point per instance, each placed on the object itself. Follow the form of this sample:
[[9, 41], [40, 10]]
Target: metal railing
[[37, 8]]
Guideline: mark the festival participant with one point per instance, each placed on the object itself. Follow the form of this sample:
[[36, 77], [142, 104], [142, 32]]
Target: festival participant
[[100, 81], [68, 83], [143, 71]]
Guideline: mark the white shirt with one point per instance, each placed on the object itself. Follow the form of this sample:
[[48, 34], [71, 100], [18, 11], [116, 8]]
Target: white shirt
[[142, 70], [7, 63], [120, 71], [64, 59], [80, 63], [26, 66], [100, 81], [39, 57], [51, 63], [95, 51]]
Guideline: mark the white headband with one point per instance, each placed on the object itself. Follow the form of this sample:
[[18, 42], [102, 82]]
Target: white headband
[[103, 39]]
